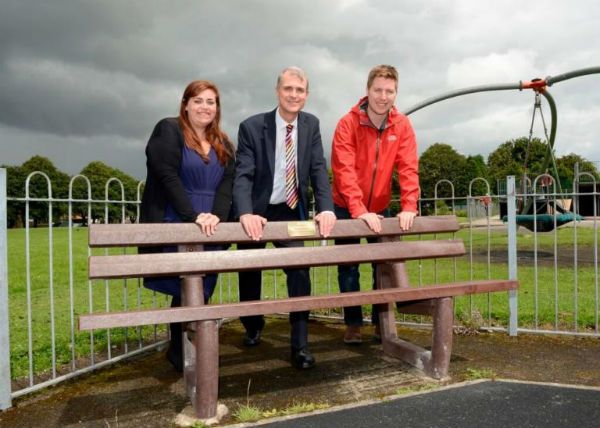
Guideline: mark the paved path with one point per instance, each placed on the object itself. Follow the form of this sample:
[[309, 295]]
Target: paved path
[[147, 392], [485, 404]]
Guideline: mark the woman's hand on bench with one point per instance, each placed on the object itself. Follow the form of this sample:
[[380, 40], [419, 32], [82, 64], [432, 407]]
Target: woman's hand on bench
[[207, 222]]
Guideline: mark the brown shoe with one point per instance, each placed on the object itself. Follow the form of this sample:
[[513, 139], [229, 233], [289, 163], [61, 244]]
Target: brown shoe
[[352, 335]]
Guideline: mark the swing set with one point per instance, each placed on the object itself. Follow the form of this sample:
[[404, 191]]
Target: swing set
[[538, 209]]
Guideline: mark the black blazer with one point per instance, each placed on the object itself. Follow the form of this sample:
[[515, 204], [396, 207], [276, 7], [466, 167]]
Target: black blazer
[[163, 160], [255, 164]]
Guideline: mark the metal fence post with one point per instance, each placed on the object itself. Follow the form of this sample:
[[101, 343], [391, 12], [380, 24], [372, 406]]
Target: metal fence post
[[5, 390], [511, 211]]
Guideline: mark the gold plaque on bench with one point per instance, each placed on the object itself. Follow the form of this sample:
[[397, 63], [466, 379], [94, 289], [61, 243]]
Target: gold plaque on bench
[[301, 228]]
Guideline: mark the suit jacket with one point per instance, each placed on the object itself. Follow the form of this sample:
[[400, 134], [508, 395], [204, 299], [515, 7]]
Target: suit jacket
[[255, 164]]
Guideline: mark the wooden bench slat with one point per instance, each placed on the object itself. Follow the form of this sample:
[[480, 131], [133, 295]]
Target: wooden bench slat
[[187, 313], [199, 262], [139, 235]]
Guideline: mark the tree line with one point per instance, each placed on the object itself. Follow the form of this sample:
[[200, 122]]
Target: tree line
[[438, 162], [515, 157]]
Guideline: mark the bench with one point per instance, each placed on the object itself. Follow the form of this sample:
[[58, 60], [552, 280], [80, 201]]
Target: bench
[[201, 352]]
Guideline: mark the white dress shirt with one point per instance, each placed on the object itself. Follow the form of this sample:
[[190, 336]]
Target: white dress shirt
[[278, 195]]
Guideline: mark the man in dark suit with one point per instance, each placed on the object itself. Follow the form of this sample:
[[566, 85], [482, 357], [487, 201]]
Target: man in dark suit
[[278, 154]]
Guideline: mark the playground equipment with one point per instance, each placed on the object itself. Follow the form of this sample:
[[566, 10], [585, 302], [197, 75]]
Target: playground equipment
[[538, 208]]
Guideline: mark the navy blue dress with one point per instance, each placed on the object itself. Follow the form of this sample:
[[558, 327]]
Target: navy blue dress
[[200, 181]]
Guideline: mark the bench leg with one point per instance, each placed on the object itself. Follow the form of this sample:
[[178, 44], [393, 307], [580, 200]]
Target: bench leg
[[201, 356], [394, 275], [207, 369], [441, 347], [434, 363], [390, 275]]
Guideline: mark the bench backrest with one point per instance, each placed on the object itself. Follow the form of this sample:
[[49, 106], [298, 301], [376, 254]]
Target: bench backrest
[[140, 235], [190, 264], [199, 262]]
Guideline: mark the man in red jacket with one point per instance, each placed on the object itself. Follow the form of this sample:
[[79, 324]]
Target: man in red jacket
[[370, 142]]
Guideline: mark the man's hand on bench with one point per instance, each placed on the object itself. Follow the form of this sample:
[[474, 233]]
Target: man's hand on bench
[[406, 219], [373, 220], [326, 221], [253, 225]]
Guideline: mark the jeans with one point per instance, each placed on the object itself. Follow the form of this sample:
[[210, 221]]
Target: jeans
[[349, 276]]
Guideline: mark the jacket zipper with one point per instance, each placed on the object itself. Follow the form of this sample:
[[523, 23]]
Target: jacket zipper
[[379, 132]]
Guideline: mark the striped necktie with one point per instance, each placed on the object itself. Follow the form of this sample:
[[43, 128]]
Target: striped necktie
[[291, 188]]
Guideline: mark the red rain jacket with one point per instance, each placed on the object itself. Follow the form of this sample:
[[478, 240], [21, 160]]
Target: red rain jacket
[[363, 160]]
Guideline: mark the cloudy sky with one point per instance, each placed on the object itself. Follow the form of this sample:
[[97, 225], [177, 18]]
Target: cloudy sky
[[87, 80]]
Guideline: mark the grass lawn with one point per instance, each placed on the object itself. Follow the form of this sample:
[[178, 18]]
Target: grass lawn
[[50, 297], [548, 297]]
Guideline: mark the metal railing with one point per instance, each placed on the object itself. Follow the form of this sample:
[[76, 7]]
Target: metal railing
[[49, 288], [5, 382]]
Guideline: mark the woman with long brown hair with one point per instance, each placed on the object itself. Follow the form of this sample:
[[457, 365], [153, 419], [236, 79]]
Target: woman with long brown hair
[[190, 165]]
